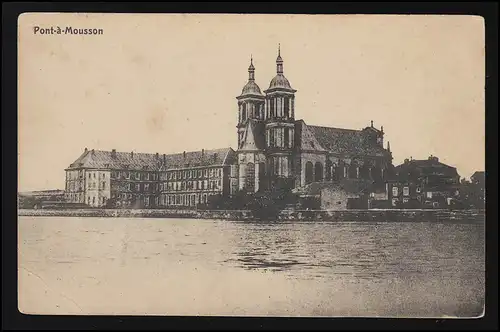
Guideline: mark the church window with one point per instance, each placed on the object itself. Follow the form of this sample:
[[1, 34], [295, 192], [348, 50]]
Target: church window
[[394, 191], [286, 137], [406, 191], [287, 107], [250, 177], [272, 107]]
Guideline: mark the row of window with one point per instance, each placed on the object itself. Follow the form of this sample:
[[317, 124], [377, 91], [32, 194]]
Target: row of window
[[74, 186], [250, 111], [75, 198], [191, 185], [96, 200], [184, 200], [134, 175], [279, 137], [141, 186], [94, 185], [73, 175], [279, 107], [191, 174], [406, 191]]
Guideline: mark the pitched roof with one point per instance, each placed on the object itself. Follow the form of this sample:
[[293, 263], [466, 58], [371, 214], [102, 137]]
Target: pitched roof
[[345, 141], [253, 136], [214, 157], [150, 161], [426, 167]]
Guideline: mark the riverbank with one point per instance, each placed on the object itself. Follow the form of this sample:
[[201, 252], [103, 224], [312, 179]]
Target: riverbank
[[239, 215]]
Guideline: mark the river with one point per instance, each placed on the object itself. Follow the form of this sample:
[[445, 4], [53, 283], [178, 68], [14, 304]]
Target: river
[[203, 267]]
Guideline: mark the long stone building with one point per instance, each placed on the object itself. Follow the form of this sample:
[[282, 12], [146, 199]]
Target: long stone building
[[274, 150]]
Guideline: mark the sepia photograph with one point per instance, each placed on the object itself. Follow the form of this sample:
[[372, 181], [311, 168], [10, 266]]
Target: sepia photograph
[[264, 165]]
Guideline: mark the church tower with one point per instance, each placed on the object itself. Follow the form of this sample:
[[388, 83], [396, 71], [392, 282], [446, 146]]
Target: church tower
[[250, 103], [251, 144], [279, 121]]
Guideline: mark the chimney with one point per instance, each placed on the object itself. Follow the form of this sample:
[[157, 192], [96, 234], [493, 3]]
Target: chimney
[[407, 161], [132, 154], [382, 129], [184, 154], [157, 156], [215, 157], [164, 159], [92, 151], [372, 123], [86, 150], [388, 146], [113, 153], [202, 153]]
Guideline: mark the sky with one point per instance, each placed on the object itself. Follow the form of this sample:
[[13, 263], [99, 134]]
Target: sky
[[168, 83]]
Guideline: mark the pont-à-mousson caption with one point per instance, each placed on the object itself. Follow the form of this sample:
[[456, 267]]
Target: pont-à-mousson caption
[[68, 30]]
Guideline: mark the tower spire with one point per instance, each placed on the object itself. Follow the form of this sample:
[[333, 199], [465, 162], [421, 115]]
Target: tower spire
[[251, 70], [388, 146], [279, 61]]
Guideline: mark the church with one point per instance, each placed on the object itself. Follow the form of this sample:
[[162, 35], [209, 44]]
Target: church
[[275, 150]]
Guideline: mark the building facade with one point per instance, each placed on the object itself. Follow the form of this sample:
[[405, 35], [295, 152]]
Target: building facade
[[275, 150], [423, 184], [142, 180]]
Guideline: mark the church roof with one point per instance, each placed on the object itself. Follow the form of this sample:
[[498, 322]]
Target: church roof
[[251, 88], [280, 81], [149, 161], [339, 141]]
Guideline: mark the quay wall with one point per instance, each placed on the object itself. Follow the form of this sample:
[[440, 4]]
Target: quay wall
[[431, 215]]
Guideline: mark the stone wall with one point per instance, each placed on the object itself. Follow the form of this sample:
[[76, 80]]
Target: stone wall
[[301, 215]]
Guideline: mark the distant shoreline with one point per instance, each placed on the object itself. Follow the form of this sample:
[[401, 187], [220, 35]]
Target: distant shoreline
[[431, 215]]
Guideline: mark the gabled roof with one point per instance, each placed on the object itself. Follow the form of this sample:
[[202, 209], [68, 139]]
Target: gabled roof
[[253, 136], [117, 160], [149, 161], [340, 141]]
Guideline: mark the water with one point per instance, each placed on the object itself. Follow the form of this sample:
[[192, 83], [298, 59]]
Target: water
[[202, 267]]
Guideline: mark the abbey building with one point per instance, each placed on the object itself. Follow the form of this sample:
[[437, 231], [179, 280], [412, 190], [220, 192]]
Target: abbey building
[[274, 150]]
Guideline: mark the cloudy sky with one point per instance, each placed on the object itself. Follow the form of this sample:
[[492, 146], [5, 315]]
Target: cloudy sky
[[167, 83]]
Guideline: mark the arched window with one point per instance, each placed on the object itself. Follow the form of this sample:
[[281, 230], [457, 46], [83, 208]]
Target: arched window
[[250, 177], [309, 172], [318, 172]]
